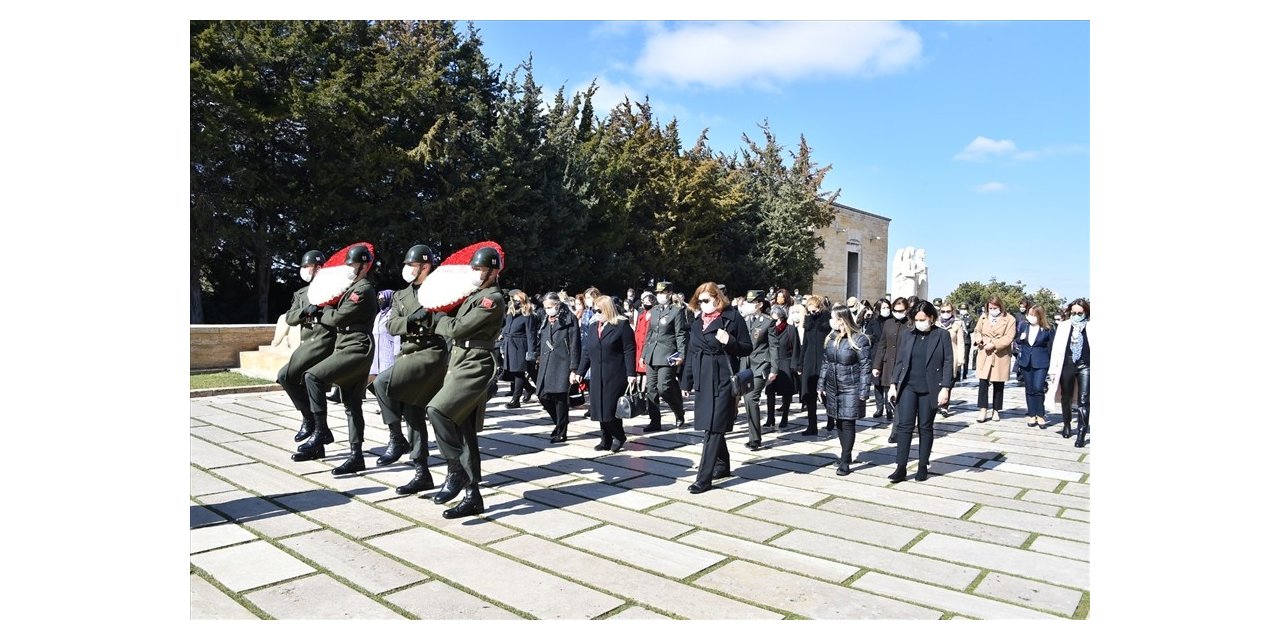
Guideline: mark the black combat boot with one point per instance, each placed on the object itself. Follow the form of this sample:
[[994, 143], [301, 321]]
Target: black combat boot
[[453, 483], [313, 448], [354, 463], [396, 448], [305, 431], [472, 504], [421, 479]]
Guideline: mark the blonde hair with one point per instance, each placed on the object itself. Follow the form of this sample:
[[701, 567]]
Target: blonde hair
[[608, 312], [517, 303], [708, 287], [847, 317]]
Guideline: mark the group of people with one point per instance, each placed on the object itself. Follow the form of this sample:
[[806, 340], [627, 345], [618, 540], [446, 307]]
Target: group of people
[[906, 354]]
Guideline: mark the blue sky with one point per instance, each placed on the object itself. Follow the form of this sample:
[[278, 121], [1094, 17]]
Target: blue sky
[[972, 136]]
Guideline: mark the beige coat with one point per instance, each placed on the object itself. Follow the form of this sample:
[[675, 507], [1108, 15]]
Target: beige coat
[[994, 366], [957, 345]]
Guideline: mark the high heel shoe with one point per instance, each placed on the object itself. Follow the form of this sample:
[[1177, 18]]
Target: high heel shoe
[[985, 416]]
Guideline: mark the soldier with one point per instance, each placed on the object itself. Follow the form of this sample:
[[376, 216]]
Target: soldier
[[663, 354], [457, 410], [316, 345], [418, 372], [348, 366], [762, 361]]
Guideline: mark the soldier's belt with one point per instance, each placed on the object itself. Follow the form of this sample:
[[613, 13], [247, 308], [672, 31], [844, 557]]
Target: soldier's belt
[[475, 344], [355, 329]]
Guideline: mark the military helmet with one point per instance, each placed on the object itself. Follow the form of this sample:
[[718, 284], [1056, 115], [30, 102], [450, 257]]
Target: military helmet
[[487, 257], [421, 253], [358, 254], [312, 258]]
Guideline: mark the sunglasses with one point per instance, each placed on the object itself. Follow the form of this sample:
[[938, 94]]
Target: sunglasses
[[705, 300]]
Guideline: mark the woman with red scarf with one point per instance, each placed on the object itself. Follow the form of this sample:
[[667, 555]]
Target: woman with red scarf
[[718, 337]]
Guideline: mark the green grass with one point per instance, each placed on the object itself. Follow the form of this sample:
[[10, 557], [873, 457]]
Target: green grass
[[219, 379]]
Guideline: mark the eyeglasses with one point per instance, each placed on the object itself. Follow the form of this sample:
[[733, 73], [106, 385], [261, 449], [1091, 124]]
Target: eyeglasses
[[705, 300]]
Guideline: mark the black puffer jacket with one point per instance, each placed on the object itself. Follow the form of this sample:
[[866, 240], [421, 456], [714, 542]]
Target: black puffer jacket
[[846, 376]]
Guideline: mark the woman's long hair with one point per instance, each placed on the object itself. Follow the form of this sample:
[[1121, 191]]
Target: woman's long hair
[[848, 319], [608, 311]]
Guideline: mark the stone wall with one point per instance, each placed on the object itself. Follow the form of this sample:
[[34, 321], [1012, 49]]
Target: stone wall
[[854, 230], [218, 346]]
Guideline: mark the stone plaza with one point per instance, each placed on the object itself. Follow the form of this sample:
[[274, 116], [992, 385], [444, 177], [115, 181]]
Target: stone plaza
[[570, 533]]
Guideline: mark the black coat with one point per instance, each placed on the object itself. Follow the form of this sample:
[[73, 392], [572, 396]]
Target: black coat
[[558, 349], [875, 329], [518, 336], [707, 370], [611, 358], [886, 352], [816, 327], [939, 366], [787, 346], [846, 377]]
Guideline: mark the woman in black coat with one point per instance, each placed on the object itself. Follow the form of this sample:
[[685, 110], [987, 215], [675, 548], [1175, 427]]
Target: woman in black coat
[[609, 353], [817, 324], [718, 336], [557, 351], [518, 336], [845, 381], [922, 378], [881, 312], [784, 381], [886, 351]]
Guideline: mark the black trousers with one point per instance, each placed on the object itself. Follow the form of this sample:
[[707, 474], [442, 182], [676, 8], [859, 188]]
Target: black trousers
[[351, 401], [715, 458], [997, 402], [557, 406], [519, 384], [392, 410], [661, 382], [916, 410], [809, 400], [752, 401], [416, 418], [1074, 376], [611, 430], [965, 367]]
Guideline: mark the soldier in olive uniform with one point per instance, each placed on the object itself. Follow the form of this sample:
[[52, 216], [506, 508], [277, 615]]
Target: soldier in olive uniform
[[317, 344], [348, 366], [457, 410], [408, 385], [762, 361], [662, 356]]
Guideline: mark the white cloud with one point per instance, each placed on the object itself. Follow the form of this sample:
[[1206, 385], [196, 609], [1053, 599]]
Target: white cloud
[[610, 93], [983, 147], [990, 187], [1055, 150], [730, 54]]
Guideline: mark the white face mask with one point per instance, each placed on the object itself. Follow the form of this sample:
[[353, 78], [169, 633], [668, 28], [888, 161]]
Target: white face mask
[[884, 312], [795, 319], [708, 307], [351, 272], [946, 315], [590, 302], [1033, 321], [922, 325], [552, 311], [408, 273], [664, 298], [993, 312], [898, 315], [479, 279], [835, 324], [305, 273]]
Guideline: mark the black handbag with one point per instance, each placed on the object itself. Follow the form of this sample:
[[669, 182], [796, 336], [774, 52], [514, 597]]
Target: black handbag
[[577, 394], [632, 403], [740, 383]]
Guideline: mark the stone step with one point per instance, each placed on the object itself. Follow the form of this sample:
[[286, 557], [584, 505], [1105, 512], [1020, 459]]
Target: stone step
[[264, 363]]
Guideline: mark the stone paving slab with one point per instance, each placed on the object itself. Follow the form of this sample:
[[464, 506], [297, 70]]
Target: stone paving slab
[[209, 603], [593, 470], [723, 500], [660, 593], [1058, 499], [928, 522], [436, 600], [212, 456], [1031, 522], [660, 463], [1043, 472], [422, 510], [830, 484], [806, 596], [875, 470], [319, 598], [343, 514], [535, 517], [1004, 475], [270, 454], [1030, 593], [258, 514], [726, 523], [250, 565], [655, 554], [371, 485], [360, 565], [217, 536], [1076, 514], [264, 480], [607, 513], [202, 483], [237, 423], [832, 524], [216, 435], [200, 516], [1005, 445], [637, 613], [1029, 564], [611, 494], [743, 483], [933, 488], [496, 577], [1076, 489], [1060, 547], [771, 556], [884, 560], [953, 601]]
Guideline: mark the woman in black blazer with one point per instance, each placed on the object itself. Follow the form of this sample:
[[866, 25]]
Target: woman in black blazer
[[1035, 335], [519, 334], [718, 336], [783, 382], [922, 378], [609, 353]]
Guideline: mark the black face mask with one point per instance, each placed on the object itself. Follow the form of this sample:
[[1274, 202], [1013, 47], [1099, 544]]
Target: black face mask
[[648, 305]]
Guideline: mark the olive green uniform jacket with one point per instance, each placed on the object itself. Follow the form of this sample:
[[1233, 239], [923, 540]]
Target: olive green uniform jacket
[[418, 372], [478, 321], [316, 345], [352, 319]]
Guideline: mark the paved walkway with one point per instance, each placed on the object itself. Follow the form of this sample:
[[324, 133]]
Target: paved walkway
[[573, 533]]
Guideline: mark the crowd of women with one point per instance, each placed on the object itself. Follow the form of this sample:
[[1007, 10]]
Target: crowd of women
[[904, 355]]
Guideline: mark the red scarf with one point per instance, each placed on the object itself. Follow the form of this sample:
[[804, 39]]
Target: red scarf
[[708, 318]]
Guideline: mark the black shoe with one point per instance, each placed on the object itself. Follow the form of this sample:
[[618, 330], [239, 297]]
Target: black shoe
[[472, 504], [888, 415], [452, 485], [617, 445], [877, 415], [1080, 434], [698, 488], [514, 404], [680, 422], [601, 447], [842, 469], [308, 427], [722, 475], [309, 453], [922, 473], [893, 438], [899, 475], [421, 480], [560, 438], [811, 431], [335, 397], [653, 428], [754, 446], [1066, 430], [769, 423], [353, 464], [398, 447], [318, 438], [526, 398]]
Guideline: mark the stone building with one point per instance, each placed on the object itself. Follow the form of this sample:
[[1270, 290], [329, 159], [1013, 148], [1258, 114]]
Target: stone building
[[855, 258]]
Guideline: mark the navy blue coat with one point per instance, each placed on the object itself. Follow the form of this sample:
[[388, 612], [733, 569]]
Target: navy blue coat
[[611, 359], [708, 366], [1034, 356]]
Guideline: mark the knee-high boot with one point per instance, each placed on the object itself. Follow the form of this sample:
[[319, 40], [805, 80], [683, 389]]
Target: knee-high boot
[[1083, 423], [845, 430]]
